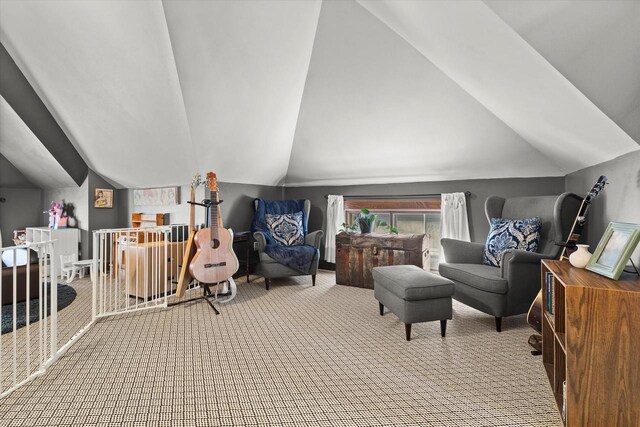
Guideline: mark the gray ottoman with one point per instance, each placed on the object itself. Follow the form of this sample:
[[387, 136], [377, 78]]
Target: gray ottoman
[[413, 295]]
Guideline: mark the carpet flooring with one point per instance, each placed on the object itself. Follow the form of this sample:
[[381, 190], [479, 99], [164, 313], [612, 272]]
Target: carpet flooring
[[66, 295], [296, 355]]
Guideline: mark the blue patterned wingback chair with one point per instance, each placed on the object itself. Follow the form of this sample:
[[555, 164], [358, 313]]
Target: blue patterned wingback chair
[[268, 267], [511, 288]]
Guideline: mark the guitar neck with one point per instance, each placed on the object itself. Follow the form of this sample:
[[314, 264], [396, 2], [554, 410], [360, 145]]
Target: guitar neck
[[192, 211], [576, 231], [216, 218]]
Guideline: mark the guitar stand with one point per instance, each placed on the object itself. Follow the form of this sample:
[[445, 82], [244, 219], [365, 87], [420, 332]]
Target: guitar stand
[[206, 294], [535, 341]]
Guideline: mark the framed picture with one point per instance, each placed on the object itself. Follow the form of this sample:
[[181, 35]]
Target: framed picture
[[616, 246], [103, 198], [167, 196]]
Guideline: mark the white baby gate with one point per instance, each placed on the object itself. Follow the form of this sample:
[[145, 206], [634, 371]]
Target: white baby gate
[[133, 269], [137, 269], [27, 351]]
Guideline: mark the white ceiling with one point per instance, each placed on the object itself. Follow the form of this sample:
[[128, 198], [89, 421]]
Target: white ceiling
[[332, 92], [242, 67], [489, 60], [594, 44], [375, 110], [107, 69], [24, 151]]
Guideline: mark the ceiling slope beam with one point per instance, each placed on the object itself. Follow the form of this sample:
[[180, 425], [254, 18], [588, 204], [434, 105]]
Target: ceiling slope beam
[[23, 99], [25, 152], [283, 182]]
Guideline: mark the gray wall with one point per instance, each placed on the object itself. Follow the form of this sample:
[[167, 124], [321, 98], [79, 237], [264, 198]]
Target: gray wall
[[236, 209], [620, 200], [101, 217], [79, 197], [22, 205], [23, 208], [480, 190]]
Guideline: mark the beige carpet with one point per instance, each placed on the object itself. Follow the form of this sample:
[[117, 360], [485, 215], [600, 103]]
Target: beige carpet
[[295, 355]]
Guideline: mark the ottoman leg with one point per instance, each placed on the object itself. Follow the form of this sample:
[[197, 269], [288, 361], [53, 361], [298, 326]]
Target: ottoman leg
[[499, 324], [381, 309], [443, 327], [407, 330]]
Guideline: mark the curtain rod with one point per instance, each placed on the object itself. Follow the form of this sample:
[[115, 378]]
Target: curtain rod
[[404, 196]]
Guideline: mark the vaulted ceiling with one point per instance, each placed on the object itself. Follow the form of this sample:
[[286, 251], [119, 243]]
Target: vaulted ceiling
[[324, 92]]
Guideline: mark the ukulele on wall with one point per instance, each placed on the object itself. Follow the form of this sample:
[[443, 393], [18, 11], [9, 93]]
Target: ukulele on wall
[[214, 261], [190, 249], [534, 317]]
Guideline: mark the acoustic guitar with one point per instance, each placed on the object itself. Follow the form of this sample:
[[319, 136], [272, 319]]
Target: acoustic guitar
[[214, 261], [534, 316], [189, 250]]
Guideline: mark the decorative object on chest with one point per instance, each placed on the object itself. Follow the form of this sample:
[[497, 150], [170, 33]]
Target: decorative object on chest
[[357, 254]]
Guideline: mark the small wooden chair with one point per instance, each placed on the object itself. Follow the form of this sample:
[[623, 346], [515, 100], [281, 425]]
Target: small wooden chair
[[67, 269]]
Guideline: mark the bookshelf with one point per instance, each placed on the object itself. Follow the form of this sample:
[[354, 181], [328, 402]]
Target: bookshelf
[[591, 341]]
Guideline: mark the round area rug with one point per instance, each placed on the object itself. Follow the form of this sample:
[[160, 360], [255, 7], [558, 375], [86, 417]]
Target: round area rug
[[66, 295]]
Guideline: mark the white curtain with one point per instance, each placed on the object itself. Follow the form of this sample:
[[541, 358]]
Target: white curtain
[[454, 223], [335, 218]]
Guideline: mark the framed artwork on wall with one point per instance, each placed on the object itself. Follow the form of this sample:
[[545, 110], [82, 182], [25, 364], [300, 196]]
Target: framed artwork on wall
[[103, 198], [167, 196], [614, 250]]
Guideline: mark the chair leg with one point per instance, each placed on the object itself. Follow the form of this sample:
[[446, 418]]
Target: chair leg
[[267, 282], [443, 327], [499, 324], [313, 279], [407, 330], [381, 309]]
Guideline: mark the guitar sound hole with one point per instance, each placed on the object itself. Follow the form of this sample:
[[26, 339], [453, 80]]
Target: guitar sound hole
[[215, 243]]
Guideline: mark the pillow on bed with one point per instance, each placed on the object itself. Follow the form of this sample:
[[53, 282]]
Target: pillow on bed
[[21, 257], [286, 229], [506, 234]]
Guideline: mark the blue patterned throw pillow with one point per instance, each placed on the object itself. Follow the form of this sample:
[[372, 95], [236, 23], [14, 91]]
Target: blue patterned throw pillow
[[508, 234], [286, 229]]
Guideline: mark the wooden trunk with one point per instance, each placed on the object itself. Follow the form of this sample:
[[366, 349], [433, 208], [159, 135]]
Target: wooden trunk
[[357, 254]]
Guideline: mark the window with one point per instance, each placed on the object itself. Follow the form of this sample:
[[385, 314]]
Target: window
[[415, 216]]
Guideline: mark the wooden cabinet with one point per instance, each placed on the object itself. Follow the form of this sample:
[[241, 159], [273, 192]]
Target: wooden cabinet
[[141, 266], [357, 254], [591, 340]]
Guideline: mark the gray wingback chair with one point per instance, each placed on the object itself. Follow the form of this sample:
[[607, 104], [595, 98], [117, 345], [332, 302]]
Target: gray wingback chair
[[511, 288], [270, 268]]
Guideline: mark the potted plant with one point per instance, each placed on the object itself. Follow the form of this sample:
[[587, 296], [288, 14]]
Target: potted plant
[[366, 222]]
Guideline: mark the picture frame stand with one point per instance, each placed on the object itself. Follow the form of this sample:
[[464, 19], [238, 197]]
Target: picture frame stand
[[634, 267]]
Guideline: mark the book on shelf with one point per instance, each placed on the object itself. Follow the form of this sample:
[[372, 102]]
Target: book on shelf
[[549, 294]]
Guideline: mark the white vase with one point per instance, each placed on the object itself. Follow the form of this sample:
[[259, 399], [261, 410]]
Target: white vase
[[580, 258]]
